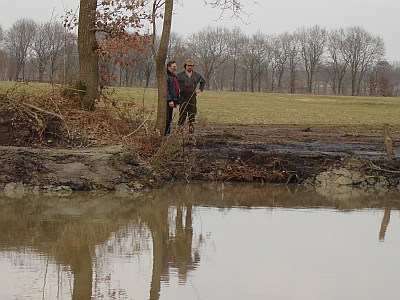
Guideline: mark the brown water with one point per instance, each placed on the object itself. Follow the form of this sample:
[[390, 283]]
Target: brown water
[[203, 241]]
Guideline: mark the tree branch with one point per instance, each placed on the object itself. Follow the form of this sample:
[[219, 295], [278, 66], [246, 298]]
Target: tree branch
[[235, 6]]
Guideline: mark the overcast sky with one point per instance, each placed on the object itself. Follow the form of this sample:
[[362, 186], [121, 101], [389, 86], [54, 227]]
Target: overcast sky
[[379, 17]]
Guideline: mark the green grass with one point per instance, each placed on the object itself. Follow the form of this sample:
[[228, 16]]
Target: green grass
[[27, 88], [256, 108], [277, 108], [271, 108], [142, 96]]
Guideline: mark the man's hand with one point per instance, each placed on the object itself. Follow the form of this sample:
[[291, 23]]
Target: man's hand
[[171, 104]]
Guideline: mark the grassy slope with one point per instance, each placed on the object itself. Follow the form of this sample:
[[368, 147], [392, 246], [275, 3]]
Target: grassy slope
[[272, 108]]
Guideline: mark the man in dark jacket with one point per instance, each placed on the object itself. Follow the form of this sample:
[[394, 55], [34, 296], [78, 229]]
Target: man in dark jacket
[[190, 84], [172, 94]]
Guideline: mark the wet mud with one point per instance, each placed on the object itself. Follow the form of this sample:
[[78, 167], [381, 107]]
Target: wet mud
[[216, 152]]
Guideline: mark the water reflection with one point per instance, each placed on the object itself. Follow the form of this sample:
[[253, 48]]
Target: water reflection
[[385, 223], [100, 246]]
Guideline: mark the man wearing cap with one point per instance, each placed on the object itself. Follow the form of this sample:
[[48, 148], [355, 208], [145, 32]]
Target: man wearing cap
[[190, 84]]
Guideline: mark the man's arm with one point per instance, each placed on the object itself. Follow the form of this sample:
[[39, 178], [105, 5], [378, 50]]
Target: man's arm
[[171, 95]]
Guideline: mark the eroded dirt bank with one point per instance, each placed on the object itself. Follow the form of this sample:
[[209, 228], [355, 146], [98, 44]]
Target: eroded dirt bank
[[318, 155]]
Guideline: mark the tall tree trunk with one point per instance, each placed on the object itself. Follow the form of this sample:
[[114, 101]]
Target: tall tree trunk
[[161, 69], [88, 58]]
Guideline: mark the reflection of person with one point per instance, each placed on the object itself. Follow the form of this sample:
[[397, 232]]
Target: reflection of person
[[190, 84], [172, 93]]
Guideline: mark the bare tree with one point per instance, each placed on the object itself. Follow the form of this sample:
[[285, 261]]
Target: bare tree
[[41, 50], [362, 50], [339, 60], [396, 79], [47, 48], [57, 35], [19, 39], [312, 46], [70, 61], [177, 49], [235, 46], [254, 58], [128, 68], [264, 56], [146, 64], [248, 64], [381, 79], [210, 49], [281, 55], [293, 61]]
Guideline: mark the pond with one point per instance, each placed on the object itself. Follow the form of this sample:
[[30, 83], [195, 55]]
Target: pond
[[202, 241]]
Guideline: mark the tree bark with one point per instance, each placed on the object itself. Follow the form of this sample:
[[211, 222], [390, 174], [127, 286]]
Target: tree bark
[[161, 56], [88, 58]]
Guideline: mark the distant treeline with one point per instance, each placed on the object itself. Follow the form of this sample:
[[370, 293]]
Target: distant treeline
[[348, 61]]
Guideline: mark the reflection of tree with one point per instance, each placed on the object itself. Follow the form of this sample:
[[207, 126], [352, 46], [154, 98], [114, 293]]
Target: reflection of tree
[[82, 270], [182, 244], [157, 221], [70, 242], [384, 224], [169, 250], [40, 225]]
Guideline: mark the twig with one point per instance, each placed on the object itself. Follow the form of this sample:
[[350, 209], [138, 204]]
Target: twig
[[145, 120]]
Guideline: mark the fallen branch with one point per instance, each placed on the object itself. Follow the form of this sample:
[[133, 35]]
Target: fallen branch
[[377, 168], [42, 110]]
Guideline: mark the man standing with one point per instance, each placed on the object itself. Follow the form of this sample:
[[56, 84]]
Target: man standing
[[190, 84], [172, 94]]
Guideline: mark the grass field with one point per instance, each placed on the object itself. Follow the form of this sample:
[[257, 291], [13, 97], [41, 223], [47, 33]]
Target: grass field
[[268, 108]]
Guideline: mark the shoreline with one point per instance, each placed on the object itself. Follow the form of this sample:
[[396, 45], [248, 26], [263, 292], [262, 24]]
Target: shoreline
[[114, 168]]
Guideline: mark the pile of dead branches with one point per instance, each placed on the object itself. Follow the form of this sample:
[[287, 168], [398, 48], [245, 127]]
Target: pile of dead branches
[[25, 122], [47, 118]]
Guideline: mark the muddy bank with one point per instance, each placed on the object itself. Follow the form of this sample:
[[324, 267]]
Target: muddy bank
[[248, 153], [68, 169]]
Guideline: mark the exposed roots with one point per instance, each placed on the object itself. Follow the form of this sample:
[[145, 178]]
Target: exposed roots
[[273, 172]]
